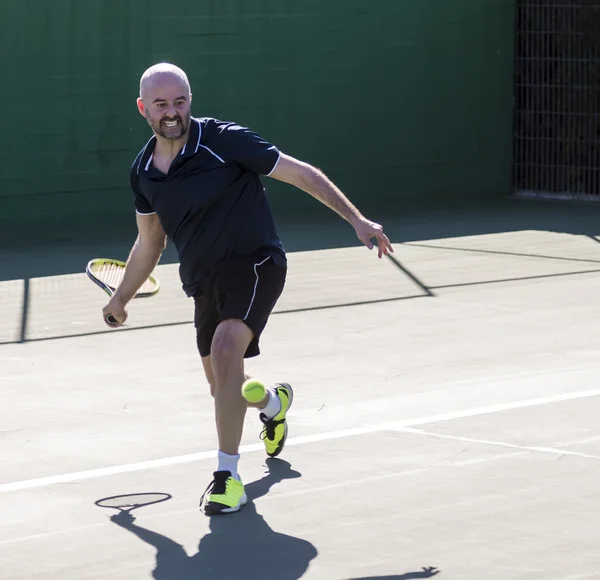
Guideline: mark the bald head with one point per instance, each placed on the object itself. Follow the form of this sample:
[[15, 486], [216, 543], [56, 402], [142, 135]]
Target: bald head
[[165, 100], [160, 74]]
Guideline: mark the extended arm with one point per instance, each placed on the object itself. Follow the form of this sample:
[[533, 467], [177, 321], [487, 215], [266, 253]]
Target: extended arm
[[316, 183]]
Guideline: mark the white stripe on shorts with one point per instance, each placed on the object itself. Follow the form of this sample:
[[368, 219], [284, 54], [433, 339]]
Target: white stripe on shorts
[[255, 287]]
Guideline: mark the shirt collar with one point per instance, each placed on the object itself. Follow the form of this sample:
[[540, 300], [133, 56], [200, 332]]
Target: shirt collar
[[190, 148]]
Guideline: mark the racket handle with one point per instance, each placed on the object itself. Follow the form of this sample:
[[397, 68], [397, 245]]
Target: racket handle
[[111, 320]]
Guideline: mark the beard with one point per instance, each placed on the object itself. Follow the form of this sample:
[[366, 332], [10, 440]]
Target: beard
[[171, 133]]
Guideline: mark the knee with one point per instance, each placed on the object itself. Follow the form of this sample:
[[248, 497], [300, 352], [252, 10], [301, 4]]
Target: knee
[[224, 349], [229, 343]]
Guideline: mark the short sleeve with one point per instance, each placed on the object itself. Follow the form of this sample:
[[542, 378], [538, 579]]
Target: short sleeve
[[241, 144], [141, 204]]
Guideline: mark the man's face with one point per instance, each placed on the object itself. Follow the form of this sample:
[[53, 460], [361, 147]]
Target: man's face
[[166, 104]]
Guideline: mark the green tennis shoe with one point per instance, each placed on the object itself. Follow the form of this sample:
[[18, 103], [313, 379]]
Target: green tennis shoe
[[224, 495], [275, 430]]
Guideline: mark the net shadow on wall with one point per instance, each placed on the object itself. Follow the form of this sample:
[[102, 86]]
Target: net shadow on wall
[[557, 99]]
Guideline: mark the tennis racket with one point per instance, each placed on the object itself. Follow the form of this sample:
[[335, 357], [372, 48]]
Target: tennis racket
[[108, 274]]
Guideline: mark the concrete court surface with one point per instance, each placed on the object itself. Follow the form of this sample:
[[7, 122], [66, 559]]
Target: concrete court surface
[[445, 423]]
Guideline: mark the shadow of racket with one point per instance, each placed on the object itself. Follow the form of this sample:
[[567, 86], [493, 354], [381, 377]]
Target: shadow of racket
[[125, 504]]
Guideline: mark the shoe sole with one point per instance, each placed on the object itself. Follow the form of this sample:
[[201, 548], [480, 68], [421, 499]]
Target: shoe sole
[[217, 511], [285, 433], [291, 392]]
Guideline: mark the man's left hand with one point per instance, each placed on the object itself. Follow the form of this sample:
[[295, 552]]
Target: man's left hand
[[366, 230]]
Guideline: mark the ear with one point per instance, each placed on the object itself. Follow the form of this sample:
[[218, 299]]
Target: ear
[[141, 107]]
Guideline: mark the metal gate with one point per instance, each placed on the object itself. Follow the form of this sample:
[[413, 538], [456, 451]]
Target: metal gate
[[557, 99]]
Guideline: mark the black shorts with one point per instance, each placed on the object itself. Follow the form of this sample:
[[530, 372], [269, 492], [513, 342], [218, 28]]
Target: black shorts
[[246, 288]]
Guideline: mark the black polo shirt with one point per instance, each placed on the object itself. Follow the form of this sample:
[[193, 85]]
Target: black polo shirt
[[212, 203]]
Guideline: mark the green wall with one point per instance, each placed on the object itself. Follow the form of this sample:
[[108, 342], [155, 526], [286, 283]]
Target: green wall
[[399, 101]]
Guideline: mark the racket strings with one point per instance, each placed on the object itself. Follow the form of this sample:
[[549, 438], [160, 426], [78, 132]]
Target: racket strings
[[112, 276]]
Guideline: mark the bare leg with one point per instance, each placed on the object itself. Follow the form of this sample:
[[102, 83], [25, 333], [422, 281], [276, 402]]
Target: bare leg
[[210, 377], [229, 344]]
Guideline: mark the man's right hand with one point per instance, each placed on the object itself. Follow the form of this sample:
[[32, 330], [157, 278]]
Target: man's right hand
[[141, 262], [116, 309]]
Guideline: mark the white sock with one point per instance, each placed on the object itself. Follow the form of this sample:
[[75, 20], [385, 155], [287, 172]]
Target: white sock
[[273, 407], [229, 463]]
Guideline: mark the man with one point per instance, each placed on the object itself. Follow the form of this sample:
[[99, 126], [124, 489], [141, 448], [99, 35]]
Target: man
[[197, 182]]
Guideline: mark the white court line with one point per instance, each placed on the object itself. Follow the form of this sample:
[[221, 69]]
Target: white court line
[[286, 494], [552, 450], [155, 463]]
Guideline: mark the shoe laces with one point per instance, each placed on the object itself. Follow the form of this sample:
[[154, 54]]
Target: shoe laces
[[218, 485], [270, 424]]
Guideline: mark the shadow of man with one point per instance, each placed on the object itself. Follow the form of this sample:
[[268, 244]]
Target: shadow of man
[[239, 546]]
